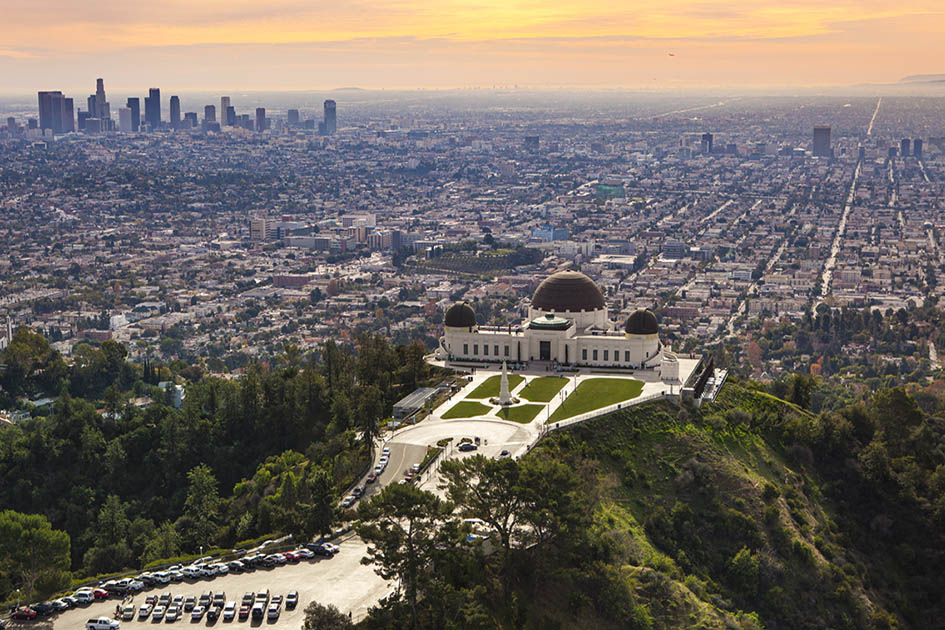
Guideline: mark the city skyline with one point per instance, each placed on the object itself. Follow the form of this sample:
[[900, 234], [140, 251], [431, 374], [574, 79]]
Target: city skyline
[[292, 45]]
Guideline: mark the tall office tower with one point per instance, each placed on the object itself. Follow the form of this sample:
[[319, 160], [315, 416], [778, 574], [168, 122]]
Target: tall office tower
[[152, 108], [331, 120], [904, 147], [134, 104], [861, 153], [917, 148], [209, 114], [50, 111], [224, 105], [175, 112], [293, 117], [81, 117], [190, 120], [124, 119], [91, 105], [260, 119], [99, 99], [230, 116], [68, 115], [821, 141], [706, 143], [11, 126]]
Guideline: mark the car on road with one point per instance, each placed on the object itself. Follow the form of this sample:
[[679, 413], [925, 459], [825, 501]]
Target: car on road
[[24, 613], [465, 447], [102, 623], [291, 600], [371, 478], [198, 613], [229, 611]]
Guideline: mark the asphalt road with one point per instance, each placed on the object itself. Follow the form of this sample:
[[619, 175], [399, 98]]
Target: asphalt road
[[341, 580]]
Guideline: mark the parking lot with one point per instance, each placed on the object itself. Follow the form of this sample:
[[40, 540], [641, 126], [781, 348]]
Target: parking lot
[[341, 580]]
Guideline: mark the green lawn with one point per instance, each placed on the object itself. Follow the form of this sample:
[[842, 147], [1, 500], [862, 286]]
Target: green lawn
[[521, 413], [595, 393], [466, 409], [543, 388], [490, 387]]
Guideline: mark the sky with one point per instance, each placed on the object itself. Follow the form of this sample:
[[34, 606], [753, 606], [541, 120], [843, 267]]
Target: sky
[[324, 44]]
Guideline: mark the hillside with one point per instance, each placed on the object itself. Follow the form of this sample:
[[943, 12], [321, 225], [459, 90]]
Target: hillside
[[726, 509], [748, 513]]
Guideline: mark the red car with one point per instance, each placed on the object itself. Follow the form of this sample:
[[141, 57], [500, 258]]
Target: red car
[[244, 612], [100, 593], [24, 613], [371, 478]]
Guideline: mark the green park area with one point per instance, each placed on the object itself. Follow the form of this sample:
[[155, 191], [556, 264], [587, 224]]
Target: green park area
[[490, 387], [595, 393], [543, 388], [521, 413], [466, 409]]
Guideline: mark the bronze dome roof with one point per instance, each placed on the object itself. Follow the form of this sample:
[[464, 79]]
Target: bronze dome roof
[[642, 322], [460, 315], [568, 291]]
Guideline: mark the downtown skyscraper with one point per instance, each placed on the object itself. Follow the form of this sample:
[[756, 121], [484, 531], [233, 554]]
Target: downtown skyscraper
[[152, 108]]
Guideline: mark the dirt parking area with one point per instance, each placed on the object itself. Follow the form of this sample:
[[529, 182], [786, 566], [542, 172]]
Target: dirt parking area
[[341, 580]]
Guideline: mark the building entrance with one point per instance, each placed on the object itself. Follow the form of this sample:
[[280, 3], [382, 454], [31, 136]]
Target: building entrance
[[544, 351]]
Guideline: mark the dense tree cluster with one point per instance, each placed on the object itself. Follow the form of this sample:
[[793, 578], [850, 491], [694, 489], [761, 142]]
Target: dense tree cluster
[[268, 452]]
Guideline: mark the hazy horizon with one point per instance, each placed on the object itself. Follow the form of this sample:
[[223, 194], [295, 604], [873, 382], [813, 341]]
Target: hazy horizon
[[290, 45]]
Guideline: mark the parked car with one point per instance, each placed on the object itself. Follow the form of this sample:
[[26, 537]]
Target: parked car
[[273, 612], [371, 478], [102, 623], [175, 575], [229, 611], [235, 566], [173, 614], [243, 614], [303, 554], [158, 613], [465, 447], [189, 603], [291, 600], [144, 611], [44, 609], [348, 501], [357, 492], [258, 611], [213, 613], [333, 549], [192, 573], [99, 593], [127, 613], [24, 613], [71, 602], [83, 597], [249, 597], [318, 549], [198, 613]]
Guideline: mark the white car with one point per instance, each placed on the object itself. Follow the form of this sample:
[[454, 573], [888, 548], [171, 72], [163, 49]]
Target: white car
[[330, 547], [102, 623], [160, 577], [192, 573], [348, 501], [158, 613], [229, 611], [221, 568], [128, 613], [83, 596], [172, 614]]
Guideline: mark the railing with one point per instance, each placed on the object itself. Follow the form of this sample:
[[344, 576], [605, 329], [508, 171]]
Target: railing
[[590, 415]]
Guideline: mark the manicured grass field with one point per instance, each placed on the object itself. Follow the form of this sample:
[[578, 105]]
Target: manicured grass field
[[466, 409], [490, 387], [521, 413], [595, 393], [543, 388]]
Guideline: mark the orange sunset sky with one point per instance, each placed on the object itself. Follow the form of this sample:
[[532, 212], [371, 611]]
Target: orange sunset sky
[[313, 44]]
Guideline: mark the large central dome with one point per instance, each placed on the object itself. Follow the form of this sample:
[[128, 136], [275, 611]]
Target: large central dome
[[568, 291]]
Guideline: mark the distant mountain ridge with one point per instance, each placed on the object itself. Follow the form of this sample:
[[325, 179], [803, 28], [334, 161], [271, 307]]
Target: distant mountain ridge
[[923, 78]]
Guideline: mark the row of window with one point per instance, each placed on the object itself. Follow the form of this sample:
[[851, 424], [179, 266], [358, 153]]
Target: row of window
[[485, 350], [626, 355]]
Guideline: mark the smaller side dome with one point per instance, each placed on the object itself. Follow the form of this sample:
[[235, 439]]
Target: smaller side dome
[[642, 322], [460, 315]]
